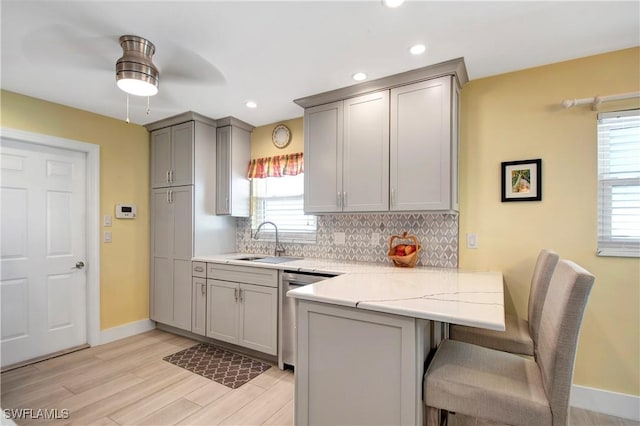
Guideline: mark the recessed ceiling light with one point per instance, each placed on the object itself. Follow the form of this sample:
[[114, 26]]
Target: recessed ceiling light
[[251, 104], [359, 76], [393, 3], [417, 49]]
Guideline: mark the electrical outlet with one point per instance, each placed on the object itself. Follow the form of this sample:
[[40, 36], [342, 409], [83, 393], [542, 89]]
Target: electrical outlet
[[472, 240], [375, 238], [107, 236], [339, 238]]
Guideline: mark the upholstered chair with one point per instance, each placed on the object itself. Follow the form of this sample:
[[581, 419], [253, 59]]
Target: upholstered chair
[[509, 388], [519, 333]]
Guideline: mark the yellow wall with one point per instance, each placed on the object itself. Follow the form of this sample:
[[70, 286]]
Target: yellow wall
[[262, 146], [516, 116], [124, 177]]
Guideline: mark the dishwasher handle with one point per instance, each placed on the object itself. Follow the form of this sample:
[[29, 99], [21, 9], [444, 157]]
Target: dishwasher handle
[[297, 283]]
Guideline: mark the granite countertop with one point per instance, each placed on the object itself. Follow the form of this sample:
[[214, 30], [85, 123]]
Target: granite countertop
[[449, 295], [468, 298], [327, 266]]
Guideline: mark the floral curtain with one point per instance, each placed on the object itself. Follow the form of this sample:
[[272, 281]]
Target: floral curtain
[[282, 165]]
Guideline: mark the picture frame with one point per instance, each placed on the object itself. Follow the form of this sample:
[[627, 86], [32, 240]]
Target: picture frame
[[522, 180]]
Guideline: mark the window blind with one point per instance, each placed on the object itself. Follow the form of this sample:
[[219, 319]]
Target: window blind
[[281, 201], [619, 183]]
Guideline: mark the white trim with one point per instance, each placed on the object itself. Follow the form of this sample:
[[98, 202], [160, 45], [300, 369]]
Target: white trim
[[126, 330], [93, 217], [606, 402]]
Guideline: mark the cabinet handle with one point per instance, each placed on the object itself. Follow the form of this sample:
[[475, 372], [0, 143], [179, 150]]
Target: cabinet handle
[[240, 295], [168, 176], [226, 203], [393, 196], [203, 289], [198, 269], [171, 196], [339, 199], [235, 294], [344, 199], [168, 197]]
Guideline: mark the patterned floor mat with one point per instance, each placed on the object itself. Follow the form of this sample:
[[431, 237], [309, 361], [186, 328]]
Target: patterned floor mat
[[228, 368]]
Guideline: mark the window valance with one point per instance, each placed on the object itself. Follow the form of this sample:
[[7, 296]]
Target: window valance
[[282, 165]]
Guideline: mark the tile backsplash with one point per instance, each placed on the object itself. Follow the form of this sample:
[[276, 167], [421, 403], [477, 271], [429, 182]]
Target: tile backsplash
[[438, 234]]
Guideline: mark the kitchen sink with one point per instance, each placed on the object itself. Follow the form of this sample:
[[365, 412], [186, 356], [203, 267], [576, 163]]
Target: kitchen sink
[[278, 259], [269, 259], [251, 258]]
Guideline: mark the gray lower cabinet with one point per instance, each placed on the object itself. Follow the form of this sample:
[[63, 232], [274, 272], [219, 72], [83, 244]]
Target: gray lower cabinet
[[172, 249], [358, 367], [241, 306], [199, 306]]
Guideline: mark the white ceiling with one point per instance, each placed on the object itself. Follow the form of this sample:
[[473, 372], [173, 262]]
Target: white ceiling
[[213, 56]]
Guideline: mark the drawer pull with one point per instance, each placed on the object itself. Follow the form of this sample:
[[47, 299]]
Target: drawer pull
[[198, 269]]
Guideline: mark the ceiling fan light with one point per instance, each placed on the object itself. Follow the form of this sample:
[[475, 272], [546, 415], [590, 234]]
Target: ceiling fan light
[[137, 87], [135, 72], [393, 3]]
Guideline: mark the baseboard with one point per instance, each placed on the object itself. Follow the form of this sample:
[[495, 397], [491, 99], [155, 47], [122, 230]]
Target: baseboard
[[126, 330], [606, 402]]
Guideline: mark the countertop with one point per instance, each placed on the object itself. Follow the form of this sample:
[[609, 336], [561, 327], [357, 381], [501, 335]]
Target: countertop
[[327, 266], [448, 295]]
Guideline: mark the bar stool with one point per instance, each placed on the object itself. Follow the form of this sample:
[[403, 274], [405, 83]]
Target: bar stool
[[519, 333], [504, 387]]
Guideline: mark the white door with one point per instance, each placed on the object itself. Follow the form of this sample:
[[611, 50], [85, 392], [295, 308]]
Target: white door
[[42, 221]]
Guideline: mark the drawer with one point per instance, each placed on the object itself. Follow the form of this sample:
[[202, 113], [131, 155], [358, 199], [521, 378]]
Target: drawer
[[199, 269], [243, 274]]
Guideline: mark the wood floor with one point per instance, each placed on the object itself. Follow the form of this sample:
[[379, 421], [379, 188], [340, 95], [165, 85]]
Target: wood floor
[[127, 383]]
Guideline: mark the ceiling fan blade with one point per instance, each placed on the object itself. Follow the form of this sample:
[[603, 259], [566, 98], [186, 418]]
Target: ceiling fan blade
[[187, 67], [71, 49]]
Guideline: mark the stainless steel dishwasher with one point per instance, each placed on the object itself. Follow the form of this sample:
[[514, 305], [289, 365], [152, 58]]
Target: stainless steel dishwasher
[[290, 281]]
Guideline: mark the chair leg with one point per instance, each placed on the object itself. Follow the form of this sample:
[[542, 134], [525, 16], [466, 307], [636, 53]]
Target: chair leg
[[433, 416]]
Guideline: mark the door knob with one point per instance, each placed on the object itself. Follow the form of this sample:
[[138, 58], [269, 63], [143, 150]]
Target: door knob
[[79, 265]]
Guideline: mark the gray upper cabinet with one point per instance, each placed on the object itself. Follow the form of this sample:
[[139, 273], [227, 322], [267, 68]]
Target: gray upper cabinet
[[172, 156], [323, 158], [233, 153], [386, 145], [347, 155], [422, 149]]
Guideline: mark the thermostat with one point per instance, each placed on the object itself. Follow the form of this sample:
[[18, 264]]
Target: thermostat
[[125, 211]]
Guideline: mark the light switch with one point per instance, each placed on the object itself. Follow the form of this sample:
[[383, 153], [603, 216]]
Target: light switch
[[106, 220], [339, 238], [472, 240], [107, 236]]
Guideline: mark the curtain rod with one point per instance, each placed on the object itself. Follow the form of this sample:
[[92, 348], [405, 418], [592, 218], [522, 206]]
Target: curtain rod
[[597, 100]]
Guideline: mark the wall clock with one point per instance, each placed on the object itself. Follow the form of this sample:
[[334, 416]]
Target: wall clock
[[281, 136]]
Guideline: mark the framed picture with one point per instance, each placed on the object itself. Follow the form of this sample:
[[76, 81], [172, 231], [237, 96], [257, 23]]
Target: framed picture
[[522, 180]]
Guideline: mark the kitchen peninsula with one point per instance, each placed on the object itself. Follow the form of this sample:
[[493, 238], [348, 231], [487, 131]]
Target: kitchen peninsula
[[363, 340]]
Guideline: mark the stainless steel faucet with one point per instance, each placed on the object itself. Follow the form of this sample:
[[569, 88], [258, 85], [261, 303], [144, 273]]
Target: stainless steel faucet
[[279, 249]]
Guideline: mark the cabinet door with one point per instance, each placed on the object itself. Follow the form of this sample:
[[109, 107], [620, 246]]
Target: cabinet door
[[223, 170], [160, 157], [161, 257], [182, 251], [366, 153], [222, 310], [323, 158], [420, 157], [182, 154], [199, 306], [258, 328]]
